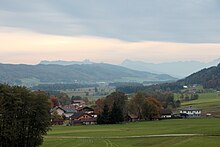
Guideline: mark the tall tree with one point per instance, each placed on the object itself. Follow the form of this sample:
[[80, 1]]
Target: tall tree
[[24, 116], [54, 101], [104, 117], [99, 105], [120, 99], [116, 115], [135, 104], [144, 106], [151, 108]]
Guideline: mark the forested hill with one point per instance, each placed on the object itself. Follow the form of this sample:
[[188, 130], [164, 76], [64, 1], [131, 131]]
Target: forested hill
[[16, 74], [208, 77]]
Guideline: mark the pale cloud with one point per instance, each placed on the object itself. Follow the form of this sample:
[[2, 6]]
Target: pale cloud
[[20, 46]]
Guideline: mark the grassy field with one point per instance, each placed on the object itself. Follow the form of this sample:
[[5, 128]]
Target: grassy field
[[207, 102], [135, 134]]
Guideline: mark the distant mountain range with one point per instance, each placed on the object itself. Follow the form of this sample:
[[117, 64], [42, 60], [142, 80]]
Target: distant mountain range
[[61, 62], [178, 69], [30, 75]]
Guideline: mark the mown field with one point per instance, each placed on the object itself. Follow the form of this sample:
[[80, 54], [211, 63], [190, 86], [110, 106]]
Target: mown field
[[202, 132]]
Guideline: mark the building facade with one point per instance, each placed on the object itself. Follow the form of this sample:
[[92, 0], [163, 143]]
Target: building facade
[[190, 112]]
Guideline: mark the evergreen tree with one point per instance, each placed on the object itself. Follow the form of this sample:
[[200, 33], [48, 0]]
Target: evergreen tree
[[116, 115], [104, 117]]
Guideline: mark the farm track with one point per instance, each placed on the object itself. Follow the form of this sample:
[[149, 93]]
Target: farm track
[[109, 144]]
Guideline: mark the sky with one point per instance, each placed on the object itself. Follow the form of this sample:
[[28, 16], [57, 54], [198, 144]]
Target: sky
[[109, 31]]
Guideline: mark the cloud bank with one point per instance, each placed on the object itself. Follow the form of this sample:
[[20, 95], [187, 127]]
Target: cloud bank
[[19, 46], [183, 21]]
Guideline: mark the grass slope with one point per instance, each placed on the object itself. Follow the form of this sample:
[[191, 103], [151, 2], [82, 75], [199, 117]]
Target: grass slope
[[118, 135], [207, 102]]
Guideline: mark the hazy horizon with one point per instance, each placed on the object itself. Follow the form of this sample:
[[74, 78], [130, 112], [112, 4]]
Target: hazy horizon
[[93, 61]]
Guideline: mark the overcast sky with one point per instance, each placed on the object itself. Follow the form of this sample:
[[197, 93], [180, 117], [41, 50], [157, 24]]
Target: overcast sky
[[109, 31]]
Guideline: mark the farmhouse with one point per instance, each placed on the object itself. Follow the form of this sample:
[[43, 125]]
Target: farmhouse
[[165, 113], [190, 112], [86, 109], [67, 112], [82, 118], [132, 117]]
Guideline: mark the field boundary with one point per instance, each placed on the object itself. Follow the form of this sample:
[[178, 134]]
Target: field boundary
[[125, 137]]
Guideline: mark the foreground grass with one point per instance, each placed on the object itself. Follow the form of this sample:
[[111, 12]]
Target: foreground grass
[[137, 142], [106, 135]]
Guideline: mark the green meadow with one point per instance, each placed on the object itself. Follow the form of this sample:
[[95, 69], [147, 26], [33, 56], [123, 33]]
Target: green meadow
[[176, 132], [206, 101]]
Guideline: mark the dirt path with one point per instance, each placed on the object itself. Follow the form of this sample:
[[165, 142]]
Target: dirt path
[[143, 136]]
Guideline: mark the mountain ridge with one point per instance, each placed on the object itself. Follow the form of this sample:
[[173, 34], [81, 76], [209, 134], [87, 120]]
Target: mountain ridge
[[207, 77], [179, 69], [62, 62], [17, 73]]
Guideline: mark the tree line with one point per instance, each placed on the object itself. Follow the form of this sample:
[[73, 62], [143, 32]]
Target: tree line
[[117, 107], [58, 87]]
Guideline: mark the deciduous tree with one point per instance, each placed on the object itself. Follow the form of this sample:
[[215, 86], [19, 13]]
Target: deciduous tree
[[24, 116]]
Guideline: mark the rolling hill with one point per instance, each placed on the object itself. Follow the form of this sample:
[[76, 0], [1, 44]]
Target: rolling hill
[[21, 73], [207, 77]]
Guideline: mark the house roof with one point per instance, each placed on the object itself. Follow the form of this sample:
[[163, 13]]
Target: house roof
[[85, 120], [86, 108], [78, 114], [78, 101], [190, 108], [66, 110], [133, 116], [69, 110], [165, 112]]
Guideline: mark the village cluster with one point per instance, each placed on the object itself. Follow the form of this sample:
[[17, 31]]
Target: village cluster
[[75, 114], [78, 113]]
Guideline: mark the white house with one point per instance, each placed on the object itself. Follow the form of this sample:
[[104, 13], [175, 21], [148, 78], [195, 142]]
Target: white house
[[190, 112]]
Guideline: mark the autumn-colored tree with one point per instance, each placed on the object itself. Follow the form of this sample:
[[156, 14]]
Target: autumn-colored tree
[[151, 108], [144, 106], [99, 105], [54, 101], [135, 104]]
